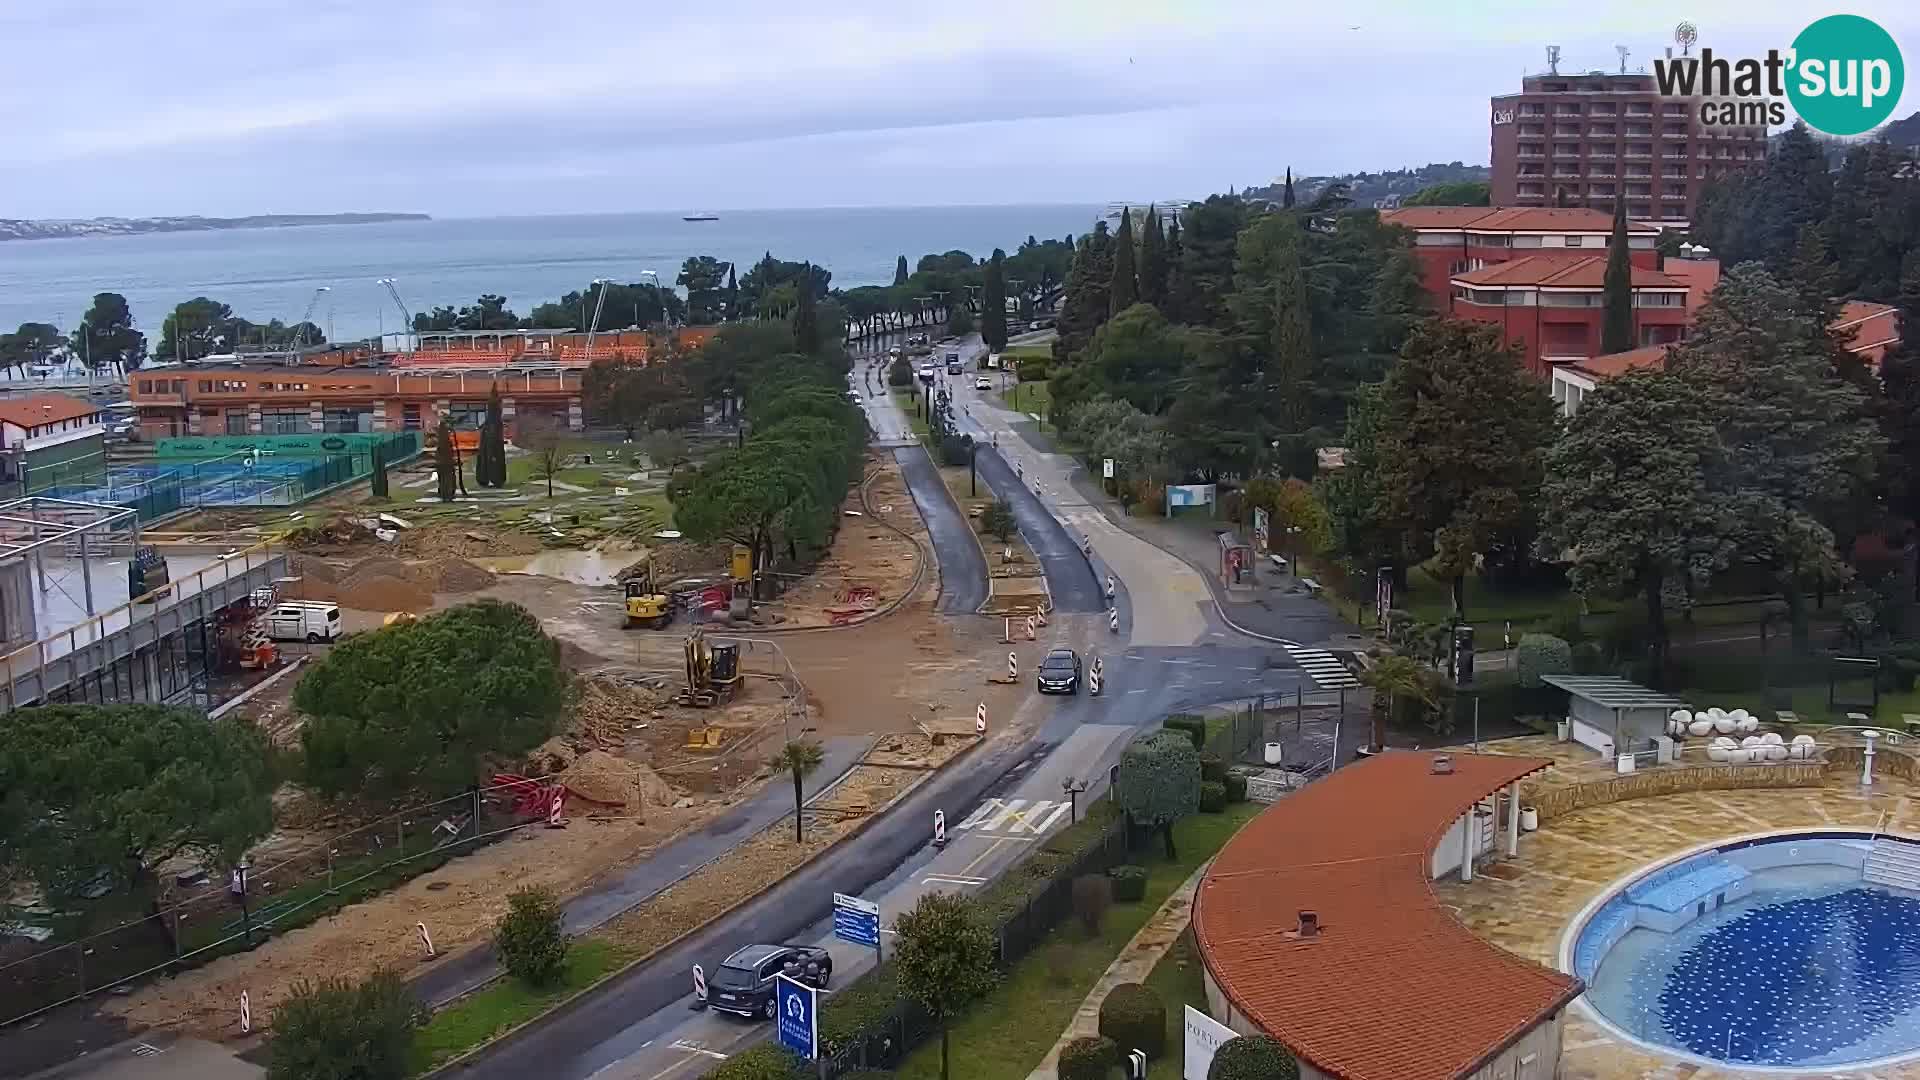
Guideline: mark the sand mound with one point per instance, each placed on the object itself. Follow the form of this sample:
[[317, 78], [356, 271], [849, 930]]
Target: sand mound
[[312, 569], [600, 776], [382, 593], [450, 576], [378, 565], [552, 756]]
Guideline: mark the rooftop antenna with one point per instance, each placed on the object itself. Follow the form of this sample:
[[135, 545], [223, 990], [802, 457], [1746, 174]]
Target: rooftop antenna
[[1684, 36], [1623, 51], [1553, 59]]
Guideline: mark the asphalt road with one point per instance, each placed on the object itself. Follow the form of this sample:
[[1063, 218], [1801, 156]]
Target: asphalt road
[[1069, 576], [963, 569], [643, 1028]]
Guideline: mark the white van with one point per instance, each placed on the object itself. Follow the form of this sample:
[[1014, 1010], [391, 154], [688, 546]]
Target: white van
[[304, 620]]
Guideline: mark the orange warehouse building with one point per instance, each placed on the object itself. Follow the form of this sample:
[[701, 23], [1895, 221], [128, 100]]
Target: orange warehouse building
[[539, 372]]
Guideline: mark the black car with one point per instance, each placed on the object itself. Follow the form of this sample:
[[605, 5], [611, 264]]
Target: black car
[[1059, 672], [743, 984]]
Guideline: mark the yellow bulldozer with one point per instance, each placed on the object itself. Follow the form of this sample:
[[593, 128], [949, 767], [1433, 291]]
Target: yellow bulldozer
[[646, 605], [713, 671]]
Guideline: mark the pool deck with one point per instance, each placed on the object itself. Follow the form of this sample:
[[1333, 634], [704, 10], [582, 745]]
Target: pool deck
[[1526, 904]]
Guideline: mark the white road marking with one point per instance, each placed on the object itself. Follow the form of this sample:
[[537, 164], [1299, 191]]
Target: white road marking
[[1009, 812], [954, 880], [696, 1048], [1325, 669]]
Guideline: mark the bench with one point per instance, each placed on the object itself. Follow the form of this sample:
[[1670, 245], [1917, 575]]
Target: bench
[[1313, 587], [1278, 562]]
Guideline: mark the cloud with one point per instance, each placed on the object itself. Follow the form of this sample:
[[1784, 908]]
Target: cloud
[[500, 106]]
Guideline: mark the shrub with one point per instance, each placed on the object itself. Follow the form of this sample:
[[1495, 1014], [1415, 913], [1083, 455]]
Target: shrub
[[763, 1062], [1236, 785], [1213, 797], [1089, 1057], [1032, 369], [1133, 1017], [1129, 883], [532, 946], [1541, 654], [998, 520], [1092, 896], [956, 449], [1212, 767], [900, 372], [1195, 727], [335, 1030], [1253, 1057]]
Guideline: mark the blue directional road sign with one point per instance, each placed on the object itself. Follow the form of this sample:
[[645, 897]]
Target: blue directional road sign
[[799, 1010], [856, 920]]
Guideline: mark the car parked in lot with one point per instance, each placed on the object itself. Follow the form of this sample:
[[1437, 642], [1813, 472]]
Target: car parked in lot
[[743, 983], [1059, 672]]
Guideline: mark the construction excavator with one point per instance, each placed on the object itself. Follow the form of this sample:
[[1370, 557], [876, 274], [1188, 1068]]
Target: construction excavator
[[713, 671], [646, 604]]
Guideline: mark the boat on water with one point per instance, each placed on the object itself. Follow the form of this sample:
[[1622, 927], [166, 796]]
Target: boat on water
[[704, 215]]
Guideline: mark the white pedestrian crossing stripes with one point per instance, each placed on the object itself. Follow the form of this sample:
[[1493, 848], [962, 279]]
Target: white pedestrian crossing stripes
[[1014, 817], [1325, 669]]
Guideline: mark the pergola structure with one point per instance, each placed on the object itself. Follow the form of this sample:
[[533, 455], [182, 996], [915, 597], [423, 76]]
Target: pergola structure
[[1613, 715]]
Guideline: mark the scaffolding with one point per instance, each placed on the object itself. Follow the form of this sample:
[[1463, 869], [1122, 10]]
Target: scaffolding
[[29, 525]]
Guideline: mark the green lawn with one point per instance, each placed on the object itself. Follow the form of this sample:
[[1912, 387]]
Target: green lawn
[[1006, 1035], [909, 403], [478, 1017], [1029, 397], [1179, 980], [1810, 704]]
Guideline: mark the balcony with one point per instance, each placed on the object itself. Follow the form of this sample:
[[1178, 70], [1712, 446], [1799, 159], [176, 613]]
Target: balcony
[[1641, 153], [1600, 155], [1673, 198], [1640, 110], [1640, 131], [1606, 174]]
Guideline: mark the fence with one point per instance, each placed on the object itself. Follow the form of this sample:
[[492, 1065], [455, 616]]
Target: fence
[[1028, 906], [196, 917], [238, 479]]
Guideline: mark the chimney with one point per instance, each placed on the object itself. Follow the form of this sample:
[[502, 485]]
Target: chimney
[[1309, 924], [1442, 765]]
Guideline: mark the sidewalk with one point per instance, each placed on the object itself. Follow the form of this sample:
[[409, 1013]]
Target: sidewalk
[[1133, 965]]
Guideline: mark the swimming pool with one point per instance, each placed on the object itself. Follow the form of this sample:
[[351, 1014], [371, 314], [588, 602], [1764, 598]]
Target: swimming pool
[[1771, 952]]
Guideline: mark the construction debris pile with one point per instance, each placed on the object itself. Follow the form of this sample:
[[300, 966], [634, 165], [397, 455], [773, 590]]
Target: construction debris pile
[[599, 776]]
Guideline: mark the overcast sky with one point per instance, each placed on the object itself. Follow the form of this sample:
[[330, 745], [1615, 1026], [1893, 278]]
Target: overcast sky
[[483, 107]]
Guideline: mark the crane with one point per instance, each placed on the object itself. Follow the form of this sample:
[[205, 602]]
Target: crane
[[406, 317], [594, 326], [300, 328]]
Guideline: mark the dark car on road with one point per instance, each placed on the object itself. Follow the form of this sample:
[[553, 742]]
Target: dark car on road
[[743, 984], [1059, 672]]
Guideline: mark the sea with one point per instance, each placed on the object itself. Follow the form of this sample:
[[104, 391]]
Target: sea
[[266, 274]]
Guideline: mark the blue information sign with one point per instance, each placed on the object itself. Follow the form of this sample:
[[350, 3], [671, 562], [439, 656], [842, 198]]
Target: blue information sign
[[799, 1021], [856, 920]]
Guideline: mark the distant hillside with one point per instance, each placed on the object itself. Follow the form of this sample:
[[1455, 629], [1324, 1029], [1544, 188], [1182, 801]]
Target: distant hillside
[[1903, 133], [26, 229], [1379, 189]]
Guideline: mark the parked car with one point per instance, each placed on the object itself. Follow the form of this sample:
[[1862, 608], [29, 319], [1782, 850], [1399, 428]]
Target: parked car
[[981, 382], [1059, 672], [311, 621], [743, 984]]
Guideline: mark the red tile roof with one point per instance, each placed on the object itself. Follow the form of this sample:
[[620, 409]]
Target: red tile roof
[[36, 409], [1507, 219], [1606, 367], [1393, 987], [1556, 271], [1872, 324]]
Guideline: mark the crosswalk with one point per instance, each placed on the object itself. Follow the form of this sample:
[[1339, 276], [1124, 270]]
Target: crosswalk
[[1325, 669], [1087, 521], [1014, 817]]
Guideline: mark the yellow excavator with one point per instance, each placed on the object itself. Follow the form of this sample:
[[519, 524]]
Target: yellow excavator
[[646, 605], [713, 671]]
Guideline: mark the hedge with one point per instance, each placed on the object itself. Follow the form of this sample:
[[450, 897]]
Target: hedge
[[1236, 785], [1212, 767], [1135, 1019], [1253, 1057], [1129, 883], [1194, 726], [763, 1062], [1213, 796], [1089, 1057]]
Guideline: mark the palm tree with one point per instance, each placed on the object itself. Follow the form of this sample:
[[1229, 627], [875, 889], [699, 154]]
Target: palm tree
[[798, 759], [1395, 676]]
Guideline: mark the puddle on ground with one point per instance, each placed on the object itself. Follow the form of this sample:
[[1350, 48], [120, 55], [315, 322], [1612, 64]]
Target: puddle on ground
[[601, 566]]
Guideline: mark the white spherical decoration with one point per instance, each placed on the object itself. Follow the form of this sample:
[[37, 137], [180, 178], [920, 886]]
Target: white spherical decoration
[[1774, 752], [1773, 738], [1749, 723], [1700, 728], [1751, 740], [1680, 716], [1724, 724]]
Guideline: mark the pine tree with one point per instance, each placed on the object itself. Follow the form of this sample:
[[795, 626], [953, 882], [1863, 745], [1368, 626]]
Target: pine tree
[[993, 302], [1153, 262], [1126, 288], [806, 320], [1616, 326], [1286, 191], [900, 272], [1899, 413], [1085, 305]]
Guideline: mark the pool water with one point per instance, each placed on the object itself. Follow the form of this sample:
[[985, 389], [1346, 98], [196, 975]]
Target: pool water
[[1812, 968]]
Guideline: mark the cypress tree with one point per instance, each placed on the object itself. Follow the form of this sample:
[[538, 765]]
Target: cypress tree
[[1292, 338], [733, 294], [1616, 326], [490, 463], [1153, 262], [1286, 191], [993, 302], [806, 321], [900, 271], [1174, 298], [1125, 288], [443, 466], [379, 467], [1085, 305]]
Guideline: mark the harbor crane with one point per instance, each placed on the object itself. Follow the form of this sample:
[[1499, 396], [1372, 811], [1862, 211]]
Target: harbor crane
[[306, 317], [593, 327], [406, 317]]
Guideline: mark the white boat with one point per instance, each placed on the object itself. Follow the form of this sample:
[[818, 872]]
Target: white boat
[[704, 215]]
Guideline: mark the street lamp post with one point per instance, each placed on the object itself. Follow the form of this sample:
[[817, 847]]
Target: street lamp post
[[237, 885], [1073, 789]]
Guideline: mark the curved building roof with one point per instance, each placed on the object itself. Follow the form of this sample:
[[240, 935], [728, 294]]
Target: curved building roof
[[1393, 987]]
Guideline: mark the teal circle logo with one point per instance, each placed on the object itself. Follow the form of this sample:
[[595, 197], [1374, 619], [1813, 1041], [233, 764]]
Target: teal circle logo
[[1846, 75]]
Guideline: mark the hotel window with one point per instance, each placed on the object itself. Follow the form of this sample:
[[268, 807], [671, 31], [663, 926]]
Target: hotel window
[[1576, 241], [237, 423], [146, 386], [410, 417], [206, 386], [285, 422]]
